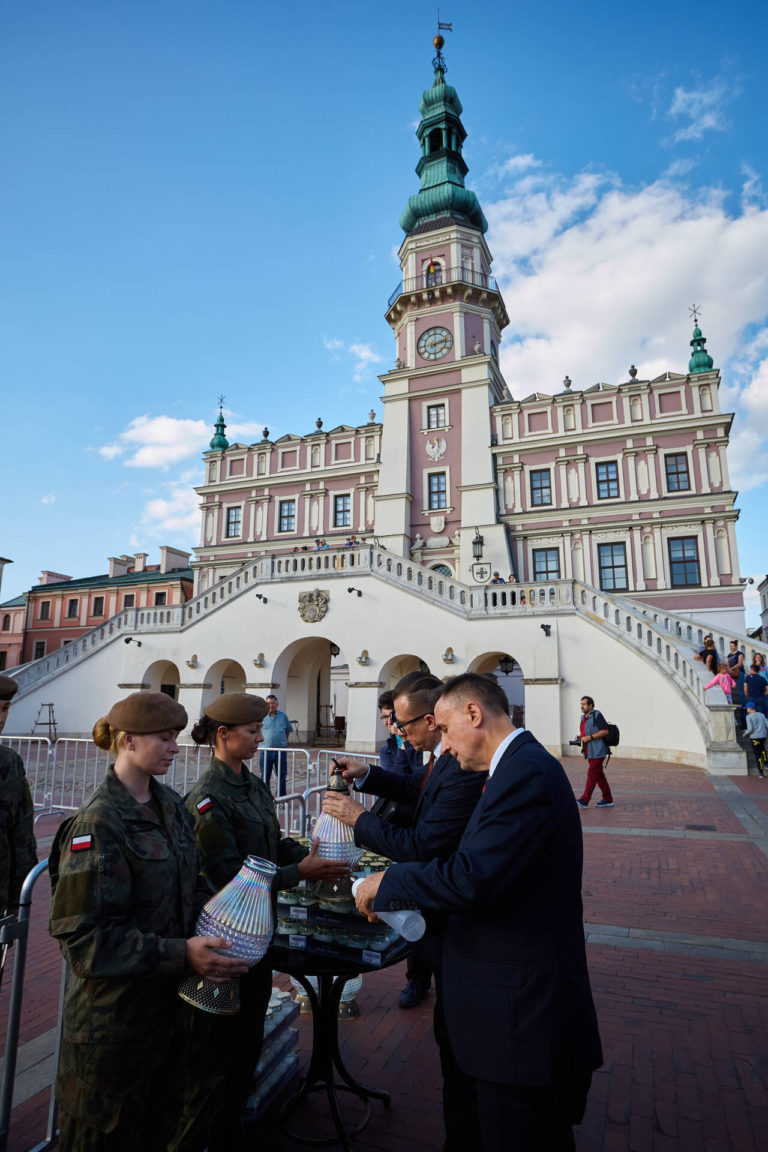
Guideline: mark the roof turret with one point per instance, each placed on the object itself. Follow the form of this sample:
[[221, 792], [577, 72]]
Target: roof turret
[[219, 441], [441, 168], [701, 361]]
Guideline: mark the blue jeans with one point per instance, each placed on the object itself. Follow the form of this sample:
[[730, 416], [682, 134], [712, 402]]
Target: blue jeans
[[275, 761]]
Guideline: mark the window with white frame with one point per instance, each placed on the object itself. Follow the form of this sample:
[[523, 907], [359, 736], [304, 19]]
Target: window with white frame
[[684, 571], [546, 564], [541, 487], [342, 511], [436, 491], [129, 600], [72, 609], [39, 651], [287, 516], [233, 526], [45, 609], [612, 561], [433, 272], [676, 468], [435, 415], [607, 476], [98, 606]]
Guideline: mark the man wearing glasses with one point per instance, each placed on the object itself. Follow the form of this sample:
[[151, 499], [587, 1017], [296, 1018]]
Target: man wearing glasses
[[444, 799], [517, 997]]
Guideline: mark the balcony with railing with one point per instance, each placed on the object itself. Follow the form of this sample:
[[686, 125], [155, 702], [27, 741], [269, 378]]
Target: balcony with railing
[[442, 277]]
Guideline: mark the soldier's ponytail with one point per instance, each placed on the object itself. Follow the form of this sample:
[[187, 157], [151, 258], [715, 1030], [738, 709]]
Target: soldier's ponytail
[[204, 732], [107, 737]]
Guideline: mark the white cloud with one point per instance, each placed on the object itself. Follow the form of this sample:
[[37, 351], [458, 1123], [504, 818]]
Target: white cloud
[[363, 354], [49, 498], [160, 441], [703, 107], [173, 512], [597, 276]]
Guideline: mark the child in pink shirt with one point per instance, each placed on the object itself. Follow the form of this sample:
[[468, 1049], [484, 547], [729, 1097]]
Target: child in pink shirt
[[726, 682]]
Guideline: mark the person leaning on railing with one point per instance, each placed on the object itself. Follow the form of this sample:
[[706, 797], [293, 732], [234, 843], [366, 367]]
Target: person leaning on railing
[[125, 899]]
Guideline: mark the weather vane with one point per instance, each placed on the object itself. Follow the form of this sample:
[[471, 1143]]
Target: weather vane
[[695, 312], [222, 398], [439, 61]]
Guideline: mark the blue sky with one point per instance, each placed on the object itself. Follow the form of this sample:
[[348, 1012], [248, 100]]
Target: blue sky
[[202, 198]]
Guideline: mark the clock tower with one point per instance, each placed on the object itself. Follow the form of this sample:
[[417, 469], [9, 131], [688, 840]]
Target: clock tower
[[437, 483]]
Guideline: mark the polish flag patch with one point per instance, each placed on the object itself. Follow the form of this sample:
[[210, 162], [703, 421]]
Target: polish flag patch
[[204, 804], [81, 843]]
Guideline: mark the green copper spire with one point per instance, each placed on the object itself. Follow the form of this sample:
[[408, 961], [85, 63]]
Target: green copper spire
[[219, 441], [442, 168], [701, 361]]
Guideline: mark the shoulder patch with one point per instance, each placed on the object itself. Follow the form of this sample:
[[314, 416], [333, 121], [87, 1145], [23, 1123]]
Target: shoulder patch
[[204, 804], [81, 843]]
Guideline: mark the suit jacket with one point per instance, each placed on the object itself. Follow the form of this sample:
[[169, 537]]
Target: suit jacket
[[518, 1004], [440, 810]]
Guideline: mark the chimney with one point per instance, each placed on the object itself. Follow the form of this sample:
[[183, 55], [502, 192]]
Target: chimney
[[141, 562], [172, 558], [118, 565], [52, 577]]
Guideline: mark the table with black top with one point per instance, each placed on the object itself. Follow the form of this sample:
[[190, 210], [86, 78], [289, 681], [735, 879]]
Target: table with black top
[[331, 974]]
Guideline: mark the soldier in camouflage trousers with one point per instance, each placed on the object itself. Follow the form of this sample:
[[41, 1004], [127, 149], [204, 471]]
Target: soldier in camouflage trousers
[[235, 817], [18, 850], [125, 898]]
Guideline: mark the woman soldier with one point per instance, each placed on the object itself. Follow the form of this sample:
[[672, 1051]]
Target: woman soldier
[[235, 817], [124, 877]]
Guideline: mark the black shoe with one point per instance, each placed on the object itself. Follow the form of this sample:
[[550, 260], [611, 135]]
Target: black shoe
[[581, 804], [604, 804], [412, 994]]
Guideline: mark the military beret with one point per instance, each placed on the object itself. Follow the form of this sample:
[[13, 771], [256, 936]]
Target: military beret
[[8, 688], [147, 712], [237, 708]]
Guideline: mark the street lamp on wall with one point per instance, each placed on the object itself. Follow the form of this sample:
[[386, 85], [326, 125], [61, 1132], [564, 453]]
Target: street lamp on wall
[[506, 664], [477, 546]]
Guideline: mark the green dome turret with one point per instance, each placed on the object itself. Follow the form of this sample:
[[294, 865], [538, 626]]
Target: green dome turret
[[701, 361], [441, 168], [219, 441]]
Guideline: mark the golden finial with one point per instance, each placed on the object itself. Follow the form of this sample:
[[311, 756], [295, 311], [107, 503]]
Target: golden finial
[[439, 41]]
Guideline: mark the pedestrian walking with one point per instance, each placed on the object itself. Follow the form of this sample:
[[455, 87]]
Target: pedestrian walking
[[592, 733]]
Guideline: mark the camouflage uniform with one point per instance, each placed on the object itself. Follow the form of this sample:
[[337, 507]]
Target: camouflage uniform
[[238, 820], [18, 850], [124, 904]]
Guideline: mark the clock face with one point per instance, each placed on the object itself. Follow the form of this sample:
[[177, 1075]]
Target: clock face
[[434, 343]]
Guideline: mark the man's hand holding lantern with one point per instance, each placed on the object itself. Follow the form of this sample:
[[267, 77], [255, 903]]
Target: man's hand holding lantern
[[344, 808]]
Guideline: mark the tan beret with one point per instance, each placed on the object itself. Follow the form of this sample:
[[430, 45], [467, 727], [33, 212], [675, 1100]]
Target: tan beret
[[8, 688], [147, 712], [237, 708]]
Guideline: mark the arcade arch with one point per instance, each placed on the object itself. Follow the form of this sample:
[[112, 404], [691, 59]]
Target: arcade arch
[[310, 682], [223, 676], [509, 674], [398, 666], [163, 676]]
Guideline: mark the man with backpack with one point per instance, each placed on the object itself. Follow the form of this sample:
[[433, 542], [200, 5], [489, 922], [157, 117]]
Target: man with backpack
[[593, 733]]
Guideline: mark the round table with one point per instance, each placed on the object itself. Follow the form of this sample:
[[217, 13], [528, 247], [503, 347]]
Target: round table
[[331, 974]]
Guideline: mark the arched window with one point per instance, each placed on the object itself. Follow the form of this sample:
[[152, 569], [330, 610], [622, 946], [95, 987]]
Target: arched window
[[7, 622], [443, 569], [432, 271]]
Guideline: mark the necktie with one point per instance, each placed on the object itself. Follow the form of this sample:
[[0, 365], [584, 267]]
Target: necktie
[[430, 766]]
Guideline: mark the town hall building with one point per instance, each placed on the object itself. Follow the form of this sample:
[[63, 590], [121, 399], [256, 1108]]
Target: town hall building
[[607, 512]]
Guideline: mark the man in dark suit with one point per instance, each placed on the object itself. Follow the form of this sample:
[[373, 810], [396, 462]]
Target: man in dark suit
[[518, 1004], [444, 799]]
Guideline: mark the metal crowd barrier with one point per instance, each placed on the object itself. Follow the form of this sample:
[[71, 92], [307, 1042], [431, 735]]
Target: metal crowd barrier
[[57, 784], [17, 930], [35, 751]]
